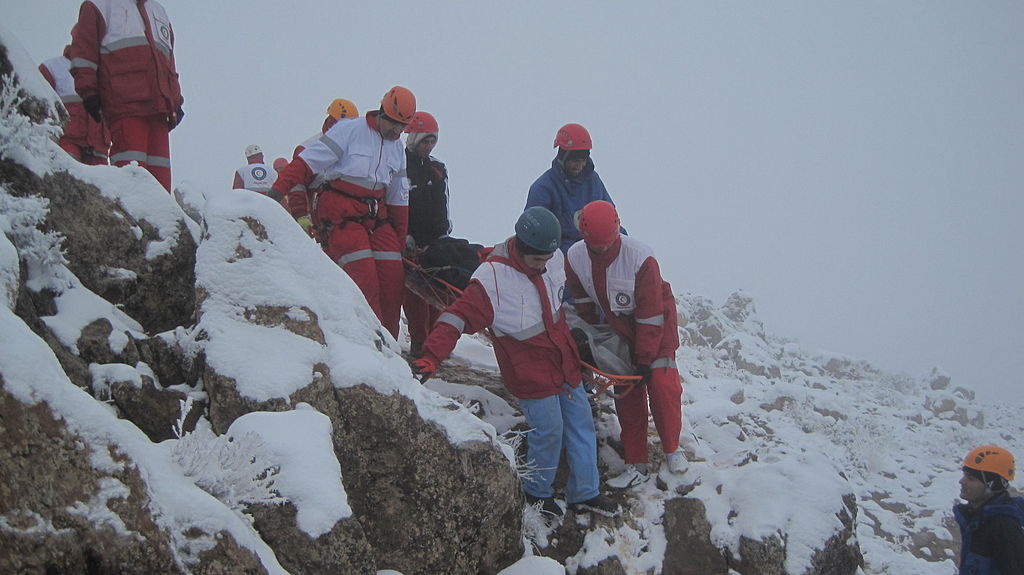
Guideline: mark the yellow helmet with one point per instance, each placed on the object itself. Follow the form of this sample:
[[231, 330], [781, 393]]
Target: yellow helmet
[[342, 108]]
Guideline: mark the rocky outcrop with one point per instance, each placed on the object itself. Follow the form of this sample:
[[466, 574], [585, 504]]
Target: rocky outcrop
[[63, 514]]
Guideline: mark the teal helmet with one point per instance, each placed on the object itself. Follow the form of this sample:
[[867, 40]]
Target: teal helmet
[[539, 230]]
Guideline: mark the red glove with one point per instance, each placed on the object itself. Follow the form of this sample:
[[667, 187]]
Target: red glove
[[425, 368]]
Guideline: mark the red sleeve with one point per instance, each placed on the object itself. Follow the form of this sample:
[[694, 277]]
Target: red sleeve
[[48, 76], [292, 182], [85, 49], [472, 310], [400, 218], [649, 316], [237, 184], [587, 310]]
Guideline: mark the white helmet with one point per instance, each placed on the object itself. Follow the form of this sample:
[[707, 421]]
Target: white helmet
[[252, 150]]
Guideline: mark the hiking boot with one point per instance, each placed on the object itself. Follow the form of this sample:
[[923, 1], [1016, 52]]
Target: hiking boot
[[677, 461], [631, 477], [600, 505], [548, 505]]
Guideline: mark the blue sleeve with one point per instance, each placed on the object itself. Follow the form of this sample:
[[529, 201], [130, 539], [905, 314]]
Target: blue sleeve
[[540, 194], [606, 197]]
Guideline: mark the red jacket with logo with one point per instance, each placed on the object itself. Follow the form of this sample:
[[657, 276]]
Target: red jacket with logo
[[81, 130], [625, 284], [123, 50], [523, 310]]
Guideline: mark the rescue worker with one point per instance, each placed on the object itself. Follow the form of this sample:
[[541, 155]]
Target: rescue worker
[[122, 59], [428, 215], [615, 279], [255, 175], [87, 140], [991, 532], [338, 109], [517, 294], [362, 206], [570, 183]]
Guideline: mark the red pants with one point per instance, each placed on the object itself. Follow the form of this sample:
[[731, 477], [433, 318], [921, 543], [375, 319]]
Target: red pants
[[85, 154], [665, 393], [373, 259], [143, 140], [421, 316]]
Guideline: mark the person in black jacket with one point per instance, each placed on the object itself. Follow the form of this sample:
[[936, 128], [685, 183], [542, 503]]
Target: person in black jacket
[[990, 521], [428, 215]]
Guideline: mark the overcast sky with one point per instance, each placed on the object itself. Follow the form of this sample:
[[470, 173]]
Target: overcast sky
[[856, 167]]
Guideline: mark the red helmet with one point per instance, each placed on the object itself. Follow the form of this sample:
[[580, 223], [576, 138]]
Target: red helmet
[[280, 163], [422, 123], [573, 137], [599, 224], [399, 104]]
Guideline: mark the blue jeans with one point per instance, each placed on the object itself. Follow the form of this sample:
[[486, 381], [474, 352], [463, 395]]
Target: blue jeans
[[558, 421]]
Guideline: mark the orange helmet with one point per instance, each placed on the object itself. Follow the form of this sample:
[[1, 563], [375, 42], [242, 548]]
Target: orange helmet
[[573, 137], [599, 224], [342, 108], [399, 104], [991, 459], [422, 123]]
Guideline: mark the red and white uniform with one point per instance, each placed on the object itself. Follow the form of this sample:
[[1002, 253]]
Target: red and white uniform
[[625, 284], [123, 51], [362, 207], [87, 140], [255, 177], [523, 308]]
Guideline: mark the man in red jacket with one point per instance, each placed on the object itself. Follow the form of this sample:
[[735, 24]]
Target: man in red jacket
[[122, 59], [615, 279], [87, 140], [517, 294], [361, 208]]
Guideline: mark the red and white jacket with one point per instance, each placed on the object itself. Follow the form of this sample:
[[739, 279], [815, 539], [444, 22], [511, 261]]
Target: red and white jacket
[[123, 50], [81, 130], [523, 309], [625, 284], [354, 160]]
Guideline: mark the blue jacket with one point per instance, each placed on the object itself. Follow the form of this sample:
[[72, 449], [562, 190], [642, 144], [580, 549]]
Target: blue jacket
[[992, 536], [566, 197]]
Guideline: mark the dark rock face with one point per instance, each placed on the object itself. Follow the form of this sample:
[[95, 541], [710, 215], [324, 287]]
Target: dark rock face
[[690, 550], [411, 488], [49, 491], [344, 549]]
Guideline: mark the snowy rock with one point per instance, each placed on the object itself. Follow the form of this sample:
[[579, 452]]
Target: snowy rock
[[938, 380]]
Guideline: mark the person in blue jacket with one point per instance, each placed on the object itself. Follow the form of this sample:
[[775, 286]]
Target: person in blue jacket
[[990, 521], [570, 184]]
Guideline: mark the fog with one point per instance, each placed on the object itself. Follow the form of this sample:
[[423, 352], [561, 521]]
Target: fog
[[856, 167]]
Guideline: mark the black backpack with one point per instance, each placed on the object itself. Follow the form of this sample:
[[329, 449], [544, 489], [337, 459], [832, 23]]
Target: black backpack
[[452, 260]]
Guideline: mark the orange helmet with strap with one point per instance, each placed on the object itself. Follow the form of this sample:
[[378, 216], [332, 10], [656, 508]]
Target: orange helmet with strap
[[399, 104], [992, 459], [573, 137], [342, 108], [422, 123]]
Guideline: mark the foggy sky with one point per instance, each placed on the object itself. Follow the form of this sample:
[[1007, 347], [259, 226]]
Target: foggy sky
[[855, 167]]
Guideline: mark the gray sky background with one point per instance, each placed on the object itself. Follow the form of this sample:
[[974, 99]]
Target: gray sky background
[[856, 167]]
